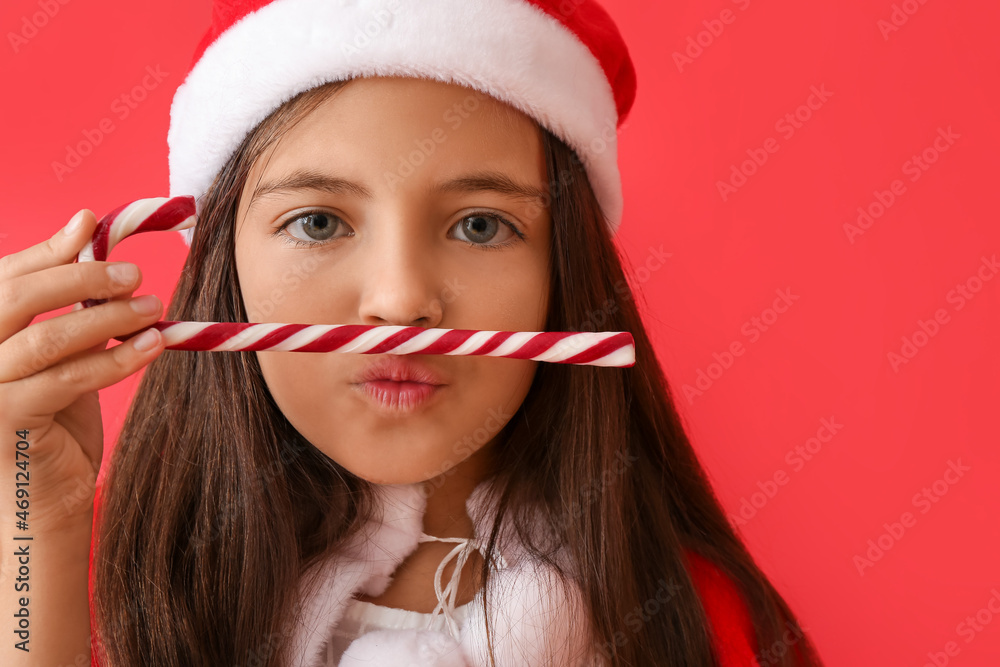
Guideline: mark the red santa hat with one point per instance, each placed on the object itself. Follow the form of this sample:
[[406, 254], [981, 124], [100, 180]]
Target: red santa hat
[[561, 62]]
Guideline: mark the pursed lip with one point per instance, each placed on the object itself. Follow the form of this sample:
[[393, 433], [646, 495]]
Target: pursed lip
[[396, 369]]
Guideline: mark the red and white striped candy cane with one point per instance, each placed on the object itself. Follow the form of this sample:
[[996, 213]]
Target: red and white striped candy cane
[[155, 214], [592, 348], [598, 348]]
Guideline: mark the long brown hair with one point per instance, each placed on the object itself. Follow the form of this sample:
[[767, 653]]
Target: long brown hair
[[214, 506]]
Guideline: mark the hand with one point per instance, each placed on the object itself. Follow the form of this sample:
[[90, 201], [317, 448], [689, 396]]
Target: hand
[[51, 371]]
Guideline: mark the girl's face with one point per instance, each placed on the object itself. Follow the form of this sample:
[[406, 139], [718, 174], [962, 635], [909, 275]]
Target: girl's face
[[398, 206]]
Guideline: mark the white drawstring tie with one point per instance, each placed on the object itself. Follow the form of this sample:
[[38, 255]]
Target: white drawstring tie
[[447, 595]]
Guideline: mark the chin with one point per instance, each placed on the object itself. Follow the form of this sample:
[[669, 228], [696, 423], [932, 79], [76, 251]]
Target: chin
[[384, 475]]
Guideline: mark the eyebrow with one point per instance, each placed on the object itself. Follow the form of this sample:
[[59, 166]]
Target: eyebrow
[[481, 181]]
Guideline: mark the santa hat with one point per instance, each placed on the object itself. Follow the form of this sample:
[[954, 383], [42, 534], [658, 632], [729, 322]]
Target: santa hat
[[561, 62]]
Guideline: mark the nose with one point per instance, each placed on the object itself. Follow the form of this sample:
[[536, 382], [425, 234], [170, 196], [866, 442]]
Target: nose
[[403, 285]]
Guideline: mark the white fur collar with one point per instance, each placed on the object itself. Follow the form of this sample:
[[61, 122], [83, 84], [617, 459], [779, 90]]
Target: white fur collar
[[534, 620]]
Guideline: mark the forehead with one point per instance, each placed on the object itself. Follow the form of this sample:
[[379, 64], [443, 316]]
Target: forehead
[[403, 126]]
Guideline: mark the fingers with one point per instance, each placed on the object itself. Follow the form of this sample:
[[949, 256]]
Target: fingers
[[45, 344], [45, 393], [24, 297], [46, 366], [60, 248], [104, 343]]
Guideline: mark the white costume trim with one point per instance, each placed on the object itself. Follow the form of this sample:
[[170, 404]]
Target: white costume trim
[[534, 620]]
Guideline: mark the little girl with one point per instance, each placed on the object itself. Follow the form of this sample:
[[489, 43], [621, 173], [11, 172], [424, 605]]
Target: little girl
[[449, 164]]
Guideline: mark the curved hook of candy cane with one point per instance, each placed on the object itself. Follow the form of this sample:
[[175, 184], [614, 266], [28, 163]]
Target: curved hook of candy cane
[[154, 214]]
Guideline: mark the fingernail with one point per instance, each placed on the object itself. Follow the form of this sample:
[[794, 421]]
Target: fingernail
[[123, 274], [145, 305], [74, 223], [147, 340]]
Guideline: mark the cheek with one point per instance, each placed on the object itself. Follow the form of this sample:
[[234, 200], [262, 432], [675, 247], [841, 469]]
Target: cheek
[[258, 281], [311, 388], [281, 291], [506, 382], [515, 300]]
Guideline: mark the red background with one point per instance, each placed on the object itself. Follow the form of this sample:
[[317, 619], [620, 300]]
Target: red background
[[827, 357]]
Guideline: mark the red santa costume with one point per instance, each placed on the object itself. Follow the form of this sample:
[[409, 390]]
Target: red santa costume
[[564, 64]]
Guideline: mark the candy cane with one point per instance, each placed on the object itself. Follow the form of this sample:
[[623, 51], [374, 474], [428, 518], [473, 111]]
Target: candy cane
[[156, 214], [597, 348]]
